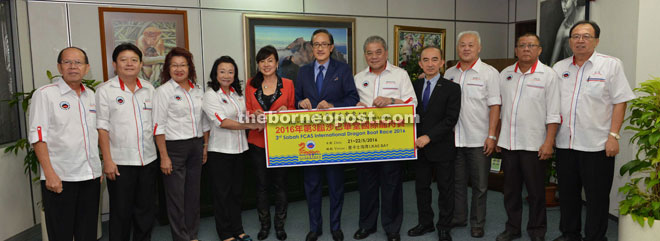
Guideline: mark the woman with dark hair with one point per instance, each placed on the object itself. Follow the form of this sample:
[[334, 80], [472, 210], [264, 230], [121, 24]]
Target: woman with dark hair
[[178, 129], [224, 105], [267, 91]]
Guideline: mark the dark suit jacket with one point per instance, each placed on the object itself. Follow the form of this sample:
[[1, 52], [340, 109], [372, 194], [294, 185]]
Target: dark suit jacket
[[439, 119], [338, 85]]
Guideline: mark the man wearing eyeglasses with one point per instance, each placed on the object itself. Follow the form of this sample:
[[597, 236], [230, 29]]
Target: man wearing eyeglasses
[[530, 117], [594, 91], [323, 84], [64, 137]]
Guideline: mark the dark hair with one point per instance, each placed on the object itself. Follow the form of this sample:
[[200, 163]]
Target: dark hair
[[123, 47], [528, 34], [263, 53], [432, 47], [178, 51], [214, 84], [592, 23], [59, 56], [322, 30]]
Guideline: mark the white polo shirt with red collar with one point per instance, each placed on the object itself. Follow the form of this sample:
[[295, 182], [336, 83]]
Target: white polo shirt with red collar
[[219, 106], [479, 89], [530, 101], [588, 94], [393, 82], [66, 122], [177, 113], [126, 116]]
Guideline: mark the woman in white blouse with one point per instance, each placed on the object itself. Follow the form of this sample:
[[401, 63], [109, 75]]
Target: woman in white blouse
[[181, 133], [224, 104]]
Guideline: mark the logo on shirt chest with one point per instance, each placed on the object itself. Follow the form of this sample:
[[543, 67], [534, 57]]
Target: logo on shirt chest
[[509, 77], [120, 100], [365, 84], [476, 78], [177, 97], [64, 105], [224, 101], [566, 74]]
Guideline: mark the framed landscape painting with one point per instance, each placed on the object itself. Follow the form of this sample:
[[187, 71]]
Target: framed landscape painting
[[291, 36], [154, 31]]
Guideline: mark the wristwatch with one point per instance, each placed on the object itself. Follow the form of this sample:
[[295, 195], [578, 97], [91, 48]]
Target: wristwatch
[[615, 135], [392, 100], [494, 138]]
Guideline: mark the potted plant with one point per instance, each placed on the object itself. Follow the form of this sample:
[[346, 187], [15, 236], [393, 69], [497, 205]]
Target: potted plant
[[30, 162], [641, 205], [550, 185]]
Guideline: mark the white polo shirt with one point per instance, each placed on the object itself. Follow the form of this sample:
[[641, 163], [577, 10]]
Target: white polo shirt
[[219, 106], [479, 89], [177, 113], [393, 82], [67, 124], [530, 101], [588, 94], [127, 118]]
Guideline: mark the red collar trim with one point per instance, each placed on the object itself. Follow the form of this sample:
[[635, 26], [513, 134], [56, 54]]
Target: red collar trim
[[82, 87], [533, 69], [458, 66], [191, 84], [231, 89], [122, 86], [573, 60]]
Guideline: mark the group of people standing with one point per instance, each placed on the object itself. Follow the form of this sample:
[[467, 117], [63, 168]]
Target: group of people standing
[[465, 116]]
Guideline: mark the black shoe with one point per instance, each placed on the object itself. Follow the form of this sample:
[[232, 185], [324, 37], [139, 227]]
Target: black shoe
[[420, 230], [477, 232], [537, 238], [338, 235], [280, 234], [444, 235], [507, 236], [565, 237], [312, 236], [362, 233], [263, 233], [393, 237]]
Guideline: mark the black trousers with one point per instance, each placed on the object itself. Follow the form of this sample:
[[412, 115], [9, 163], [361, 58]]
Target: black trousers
[[227, 185], [444, 175], [524, 167], [133, 202], [381, 179], [594, 171], [73, 213], [182, 187], [274, 178]]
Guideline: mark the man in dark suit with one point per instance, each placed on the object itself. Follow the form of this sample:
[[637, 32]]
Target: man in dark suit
[[440, 104], [323, 84]]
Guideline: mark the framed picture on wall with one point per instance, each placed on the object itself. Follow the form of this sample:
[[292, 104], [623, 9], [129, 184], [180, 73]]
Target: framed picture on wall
[[154, 31], [556, 17], [408, 44], [291, 36]]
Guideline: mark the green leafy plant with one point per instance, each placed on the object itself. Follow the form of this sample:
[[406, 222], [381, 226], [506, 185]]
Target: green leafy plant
[[642, 192], [30, 162]]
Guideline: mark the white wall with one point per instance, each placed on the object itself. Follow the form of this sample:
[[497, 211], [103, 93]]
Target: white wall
[[47, 26]]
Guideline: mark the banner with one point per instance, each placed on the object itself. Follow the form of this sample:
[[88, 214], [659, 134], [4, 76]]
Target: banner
[[340, 136]]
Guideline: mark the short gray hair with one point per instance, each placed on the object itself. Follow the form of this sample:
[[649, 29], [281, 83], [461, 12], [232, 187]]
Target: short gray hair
[[374, 39], [475, 33]]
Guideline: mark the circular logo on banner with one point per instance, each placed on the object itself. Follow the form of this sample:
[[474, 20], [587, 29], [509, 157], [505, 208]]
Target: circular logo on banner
[[178, 98], [566, 74], [310, 145], [120, 100], [365, 84], [509, 77], [64, 105]]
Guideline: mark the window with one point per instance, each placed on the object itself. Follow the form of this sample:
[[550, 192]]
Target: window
[[9, 115]]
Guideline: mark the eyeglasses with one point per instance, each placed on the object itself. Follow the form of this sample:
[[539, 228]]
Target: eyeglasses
[[321, 45], [176, 66], [585, 37], [531, 46], [76, 63]]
